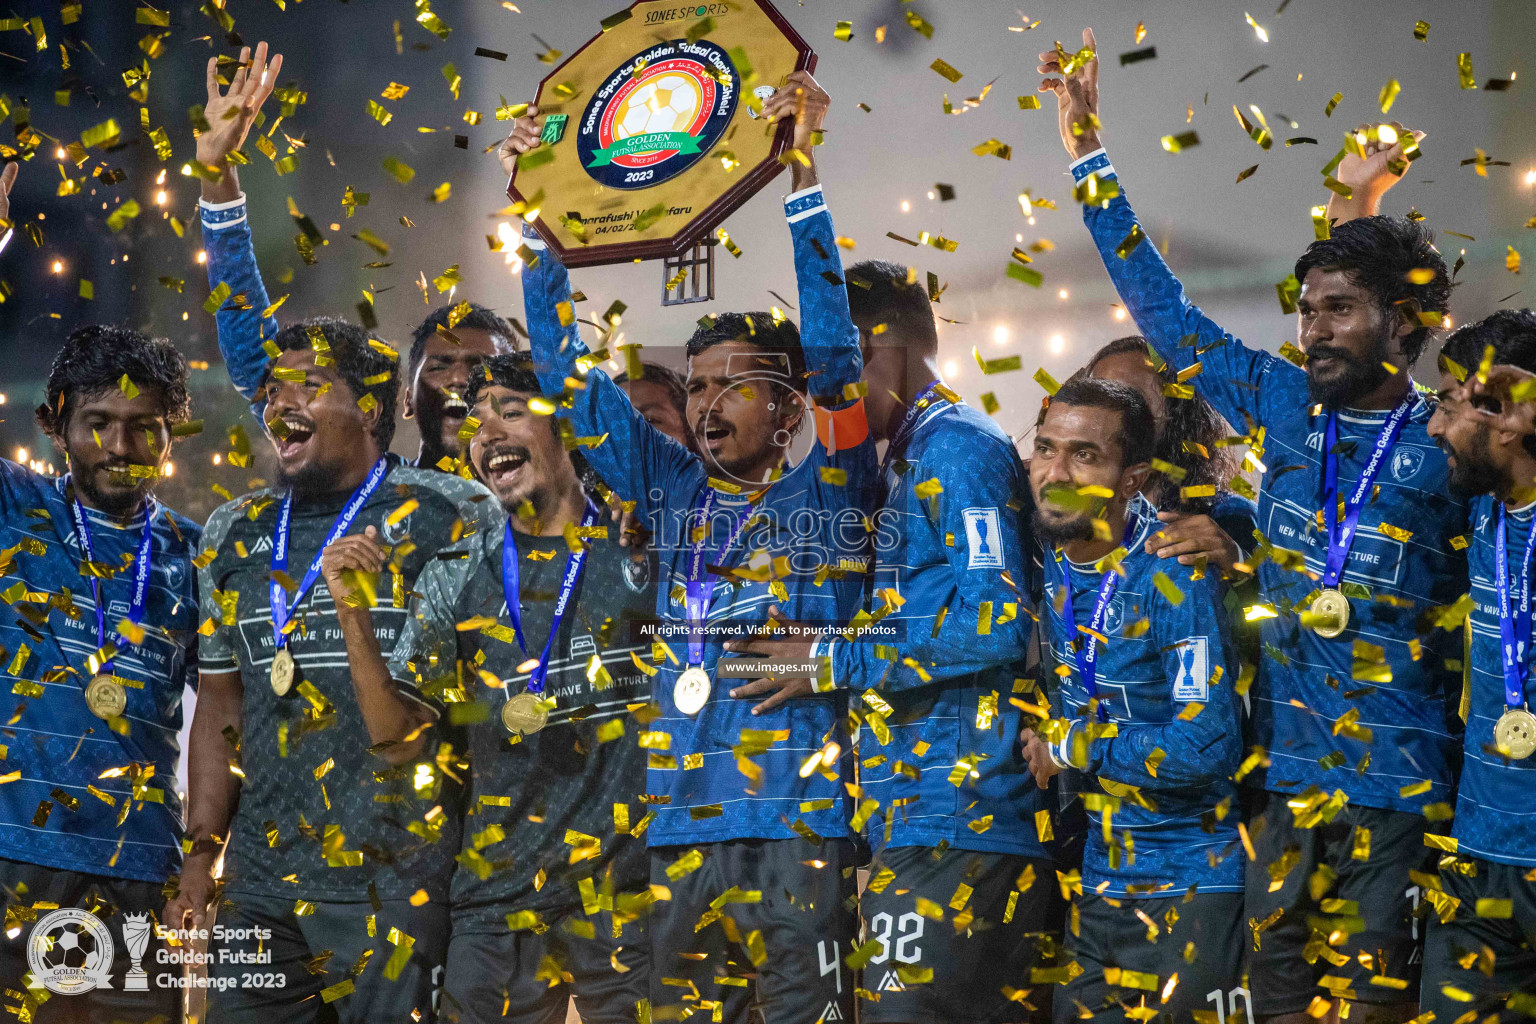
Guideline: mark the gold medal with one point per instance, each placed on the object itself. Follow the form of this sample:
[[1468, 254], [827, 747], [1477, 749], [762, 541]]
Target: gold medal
[[283, 672], [524, 714], [691, 691], [1330, 611], [1514, 735], [106, 697]]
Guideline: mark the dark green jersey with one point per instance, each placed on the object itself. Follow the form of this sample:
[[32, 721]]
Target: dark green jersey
[[548, 815], [320, 817]]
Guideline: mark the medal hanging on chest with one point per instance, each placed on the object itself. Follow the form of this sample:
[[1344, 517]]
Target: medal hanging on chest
[[1330, 611], [526, 713], [692, 689], [284, 670], [105, 695], [1514, 734]]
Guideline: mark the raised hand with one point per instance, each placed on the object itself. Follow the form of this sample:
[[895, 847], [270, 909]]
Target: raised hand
[[1077, 97], [526, 136], [804, 100], [230, 115], [1369, 178]]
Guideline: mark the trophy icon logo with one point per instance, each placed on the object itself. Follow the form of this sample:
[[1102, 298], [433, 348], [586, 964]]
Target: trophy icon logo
[[136, 933]]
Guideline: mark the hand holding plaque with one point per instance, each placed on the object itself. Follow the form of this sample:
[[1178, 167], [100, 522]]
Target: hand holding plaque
[[654, 131]]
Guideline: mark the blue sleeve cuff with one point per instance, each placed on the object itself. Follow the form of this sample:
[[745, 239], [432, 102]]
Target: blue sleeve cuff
[[218, 216], [1061, 752], [1096, 162], [805, 203]]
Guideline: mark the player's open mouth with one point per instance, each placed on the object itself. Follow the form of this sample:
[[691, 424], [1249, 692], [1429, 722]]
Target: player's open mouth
[[291, 435], [454, 408], [713, 434], [501, 467]]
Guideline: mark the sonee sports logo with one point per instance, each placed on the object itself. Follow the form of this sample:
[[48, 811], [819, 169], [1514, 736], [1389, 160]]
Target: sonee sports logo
[[70, 952], [658, 114]]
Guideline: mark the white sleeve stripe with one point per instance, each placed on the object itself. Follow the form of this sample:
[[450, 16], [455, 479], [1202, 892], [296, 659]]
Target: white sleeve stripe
[[1085, 158], [220, 225], [796, 218], [813, 190], [215, 207], [6, 239]]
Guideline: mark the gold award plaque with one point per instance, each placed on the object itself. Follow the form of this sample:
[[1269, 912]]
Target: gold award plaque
[[653, 132]]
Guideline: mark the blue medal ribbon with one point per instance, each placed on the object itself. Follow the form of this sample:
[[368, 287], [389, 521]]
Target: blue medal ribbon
[[511, 589], [1086, 653], [1341, 535], [920, 405], [1514, 630], [282, 607], [700, 591], [141, 568]]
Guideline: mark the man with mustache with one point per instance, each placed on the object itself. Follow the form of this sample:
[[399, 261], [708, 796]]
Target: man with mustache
[[751, 834], [445, 348], [1349, 706], [1478, 960], [99, 627], [1149, 710], [954, 806], [531, 631], [332, 797]]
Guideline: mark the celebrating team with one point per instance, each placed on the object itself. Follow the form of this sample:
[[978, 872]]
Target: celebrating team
[[464, 747]]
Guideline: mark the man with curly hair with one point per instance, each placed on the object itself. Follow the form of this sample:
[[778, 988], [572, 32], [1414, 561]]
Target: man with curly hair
[[99, 634]]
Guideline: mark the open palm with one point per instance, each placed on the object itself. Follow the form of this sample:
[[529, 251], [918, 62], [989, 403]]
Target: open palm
[[230, 113]]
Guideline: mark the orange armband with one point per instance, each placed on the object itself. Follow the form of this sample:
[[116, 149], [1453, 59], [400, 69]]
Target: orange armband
[[841, 429]]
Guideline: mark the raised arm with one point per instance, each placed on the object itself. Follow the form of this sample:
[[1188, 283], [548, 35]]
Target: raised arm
[[636, 458], [1181, 334], [226, 229]]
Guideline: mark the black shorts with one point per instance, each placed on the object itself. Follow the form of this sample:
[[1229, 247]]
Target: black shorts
[[704, 954], [1110, 934], [1458, 932], [281, 988], [980, 970], [1328, 890], [108, 900], [506, 977]]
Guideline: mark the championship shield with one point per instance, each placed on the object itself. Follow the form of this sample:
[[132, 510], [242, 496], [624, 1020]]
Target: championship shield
[[653, 130]]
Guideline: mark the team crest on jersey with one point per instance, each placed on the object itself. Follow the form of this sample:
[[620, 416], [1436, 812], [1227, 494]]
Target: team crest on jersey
[[175, 573], [658, 114], [1194, 656], [263, 545], [833, 1011], [890, 983], [983, 538], [637, 574], [395, 532], [1406, 463]]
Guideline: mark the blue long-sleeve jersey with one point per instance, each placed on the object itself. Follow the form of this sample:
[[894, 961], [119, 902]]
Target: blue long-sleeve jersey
[[1166, 682], [1387, 671], [725, 773], [935, 674], [1496, 801], [80, 795], [241, 326]]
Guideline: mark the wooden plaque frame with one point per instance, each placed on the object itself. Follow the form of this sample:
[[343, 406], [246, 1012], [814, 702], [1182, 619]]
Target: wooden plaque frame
[[568, 188]]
